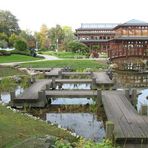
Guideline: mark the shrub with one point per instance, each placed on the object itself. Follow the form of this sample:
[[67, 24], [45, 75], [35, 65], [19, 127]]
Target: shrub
[[20, 45], [78, 47], [4, 53], [26, 52], [43, 49]]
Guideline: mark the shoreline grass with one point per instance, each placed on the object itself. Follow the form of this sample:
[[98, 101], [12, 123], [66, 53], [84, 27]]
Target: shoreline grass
[[17, 58], [9, 71], [66, 55], [16, 127], [74, 64]]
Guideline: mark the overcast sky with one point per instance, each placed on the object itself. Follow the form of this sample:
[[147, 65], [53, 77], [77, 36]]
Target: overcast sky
[[33, 13]]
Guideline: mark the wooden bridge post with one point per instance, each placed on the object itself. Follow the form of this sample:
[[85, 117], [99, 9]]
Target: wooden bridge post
[[41, 94], [44, 74], [91, 74], [53, 83], [47, 86], [93, 83], [99, 97], [134, 97], [109, 130], [60, 74], [127, 94], [12, 95], [33, 79], [144, 110], [42, 98]]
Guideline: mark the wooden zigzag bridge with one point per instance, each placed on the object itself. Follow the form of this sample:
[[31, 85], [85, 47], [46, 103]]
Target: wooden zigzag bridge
[[124, 124]]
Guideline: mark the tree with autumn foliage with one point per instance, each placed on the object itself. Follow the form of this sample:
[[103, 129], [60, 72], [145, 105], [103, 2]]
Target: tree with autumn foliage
[[42, 37]]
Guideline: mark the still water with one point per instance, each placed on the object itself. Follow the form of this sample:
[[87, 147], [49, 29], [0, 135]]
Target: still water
[[71, 101], [75, 86], [142, 99], [5, 96], [83, 124]]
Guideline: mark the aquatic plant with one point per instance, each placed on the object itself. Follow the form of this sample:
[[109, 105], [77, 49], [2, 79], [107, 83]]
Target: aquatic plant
[[7, 84], [83, 143]]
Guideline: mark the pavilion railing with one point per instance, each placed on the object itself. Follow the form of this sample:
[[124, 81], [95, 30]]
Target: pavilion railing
[[121, 53]]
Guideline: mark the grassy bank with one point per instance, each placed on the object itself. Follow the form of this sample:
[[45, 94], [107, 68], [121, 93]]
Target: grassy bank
[[64, 55], [9, 71], [15, 128], [74, 64], [16, 58]]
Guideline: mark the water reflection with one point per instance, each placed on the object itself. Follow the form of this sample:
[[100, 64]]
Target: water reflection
[[142, 99], [74, 86], [84, 124], [5, 96], [72, 101]]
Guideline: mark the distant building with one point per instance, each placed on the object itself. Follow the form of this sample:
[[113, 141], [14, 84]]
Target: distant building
[[119, 40], [130, 40], [96, 34], [126, 45]]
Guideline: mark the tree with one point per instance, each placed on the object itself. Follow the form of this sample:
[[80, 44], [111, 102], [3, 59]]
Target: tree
[[8, 23], [20, 45], [78, 47], [12, 39], [27, 36], [43, 37], [68, 37], [3, 44], [56, 35], [68, 34], [3, 36], [3, 40]]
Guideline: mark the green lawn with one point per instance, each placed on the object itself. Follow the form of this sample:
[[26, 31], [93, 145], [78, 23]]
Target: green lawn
[[64, 54], [74, 64], [16, 58], [15, 127]]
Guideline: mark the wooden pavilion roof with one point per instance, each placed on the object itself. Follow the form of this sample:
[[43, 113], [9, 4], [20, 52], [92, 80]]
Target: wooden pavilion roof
[[132, 22]]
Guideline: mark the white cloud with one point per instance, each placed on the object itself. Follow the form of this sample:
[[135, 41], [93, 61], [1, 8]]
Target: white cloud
[[33, 13]]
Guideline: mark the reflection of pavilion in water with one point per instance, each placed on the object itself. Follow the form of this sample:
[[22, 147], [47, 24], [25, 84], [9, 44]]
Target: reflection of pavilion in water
[[129, 53]]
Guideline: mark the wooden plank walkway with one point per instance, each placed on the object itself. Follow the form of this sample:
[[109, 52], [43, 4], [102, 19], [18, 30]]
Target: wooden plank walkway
[[129, 125], [73, 81], [71, 93], [76, 73], [41, 69], [31, 93], [53, 72], [102, 78]]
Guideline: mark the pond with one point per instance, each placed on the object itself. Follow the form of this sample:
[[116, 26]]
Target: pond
[[83, 124], [75, 86], [142, 99], [71, 101], [5, 96]]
